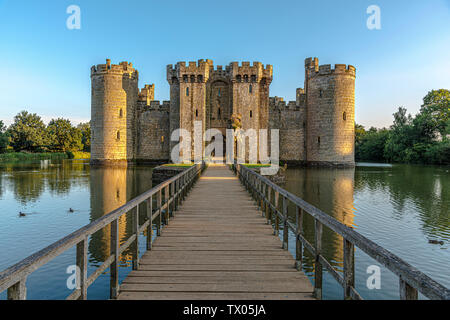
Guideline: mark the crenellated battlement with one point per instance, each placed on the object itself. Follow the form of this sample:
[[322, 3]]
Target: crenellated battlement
[[147, 93], [250, 73], [191, 72], [123, 68], [278, 103], [157, 105], [313, 68]]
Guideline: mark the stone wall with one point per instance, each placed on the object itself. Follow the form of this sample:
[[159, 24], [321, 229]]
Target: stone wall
[[290, 120], [153, 135]]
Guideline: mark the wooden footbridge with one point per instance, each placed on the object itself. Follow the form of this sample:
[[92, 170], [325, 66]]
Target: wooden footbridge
[[217, 237]]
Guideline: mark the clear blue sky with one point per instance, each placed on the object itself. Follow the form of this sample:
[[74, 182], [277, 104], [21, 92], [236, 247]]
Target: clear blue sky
[[45, 67]]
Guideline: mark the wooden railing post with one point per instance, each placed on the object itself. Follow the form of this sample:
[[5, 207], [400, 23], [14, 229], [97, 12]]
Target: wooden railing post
[[183, 186], [298, 243], [114, 268], [82, 249], [285, 224], [158, 203], [18, 291], [177, 188], [406, 291], [150, 224], [318, 264], [268, 208], [166, 201], [263, 199], [349, 268], [277, 217], [136, 232]]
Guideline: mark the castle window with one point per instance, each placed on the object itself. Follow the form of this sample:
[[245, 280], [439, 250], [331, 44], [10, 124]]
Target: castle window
[[253, 78], [121, 113], [246, 78], [185, 78], [219, 93], [218, 113], [320, 93], [200, 78], [250, 88], [118, 135], [192, 79], [238, 78], [196, 112], [344, 116], [318, 141], [251, 113], [187, 91], [162, 139]]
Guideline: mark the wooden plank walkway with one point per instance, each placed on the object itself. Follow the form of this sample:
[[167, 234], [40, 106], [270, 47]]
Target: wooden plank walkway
[[218, 246]]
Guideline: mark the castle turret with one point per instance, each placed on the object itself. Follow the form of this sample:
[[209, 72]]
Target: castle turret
[[113, 112], [330, 113]]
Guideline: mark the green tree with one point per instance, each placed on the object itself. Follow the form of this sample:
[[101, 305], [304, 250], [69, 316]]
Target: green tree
[[372, 144], [4, 137], [397, 141], [27, 132], [85, 129], [436, 104], [63, 136], [359, 133]]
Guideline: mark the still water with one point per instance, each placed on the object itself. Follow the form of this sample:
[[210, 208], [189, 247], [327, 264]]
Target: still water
[[399, 207]]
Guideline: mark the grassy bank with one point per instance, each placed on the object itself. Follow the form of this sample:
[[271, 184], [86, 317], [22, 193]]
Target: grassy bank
[[81, 155], [22, 156]]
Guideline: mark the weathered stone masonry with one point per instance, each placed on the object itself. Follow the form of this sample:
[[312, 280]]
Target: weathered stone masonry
[[129, 125]]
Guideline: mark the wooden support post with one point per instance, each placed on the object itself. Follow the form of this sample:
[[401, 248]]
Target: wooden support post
[[183, 188], [285, 224], [317, 264], [136, 232], [114, 268], [277, 217], [150, 224], [298, 243], [172, 196], [18, 291], [82, 249], [349, 268], [263, 199], [166, 201], [158, 203], [407, 292], [268, 208], [175, 194]]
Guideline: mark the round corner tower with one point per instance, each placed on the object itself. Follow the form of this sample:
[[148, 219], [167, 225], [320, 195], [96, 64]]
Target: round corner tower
[[330, 114], [114, 98]]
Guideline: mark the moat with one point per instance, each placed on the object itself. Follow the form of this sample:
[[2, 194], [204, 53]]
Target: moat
[[400, 207]]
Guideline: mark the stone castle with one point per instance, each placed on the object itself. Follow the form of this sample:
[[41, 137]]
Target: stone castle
[[129, 125]]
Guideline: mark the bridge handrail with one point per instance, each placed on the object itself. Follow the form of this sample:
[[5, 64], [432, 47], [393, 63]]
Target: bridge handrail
[[411, 280], [175, 189]]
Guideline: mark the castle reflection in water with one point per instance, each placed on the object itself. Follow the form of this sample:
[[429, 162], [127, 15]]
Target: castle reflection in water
[[112, 187], [332, 191]]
